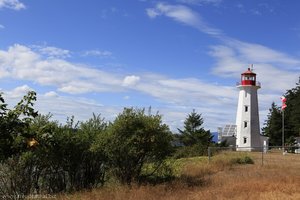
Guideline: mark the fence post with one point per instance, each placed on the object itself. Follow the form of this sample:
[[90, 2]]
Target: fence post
[[262, 156], [209, 154]]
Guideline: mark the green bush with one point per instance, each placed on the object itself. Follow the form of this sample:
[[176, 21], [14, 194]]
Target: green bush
[[154, 174], [133, 140], [190, 151], [243, 160]]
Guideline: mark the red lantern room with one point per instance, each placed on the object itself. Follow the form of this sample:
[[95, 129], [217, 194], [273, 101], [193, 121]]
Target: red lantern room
[[248, 78]]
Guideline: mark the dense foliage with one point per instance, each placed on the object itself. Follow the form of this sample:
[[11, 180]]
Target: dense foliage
[[41, 156], [134, 140], [14, 125], [273, 125], [194, 139]]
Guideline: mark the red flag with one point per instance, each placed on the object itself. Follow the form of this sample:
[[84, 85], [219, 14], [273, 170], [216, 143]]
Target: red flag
[[283, 106], [283, 100]]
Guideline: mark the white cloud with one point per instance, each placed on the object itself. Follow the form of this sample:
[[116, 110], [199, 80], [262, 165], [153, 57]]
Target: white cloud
[[2, 27], [152, 13], [66, 106], [217, 103], [12, 4], [82, 108], [79, 86], [183, 15], [19, 92], [271, 66], [131, 80], [97, 53], [21, 62], [52, 52], [260, 53], [228, 65], [178, 12], [51, 94], [62, 107]]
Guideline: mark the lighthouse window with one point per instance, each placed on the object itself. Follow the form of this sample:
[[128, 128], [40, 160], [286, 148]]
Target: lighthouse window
[[246, 108], [245, 124], [245, 140]]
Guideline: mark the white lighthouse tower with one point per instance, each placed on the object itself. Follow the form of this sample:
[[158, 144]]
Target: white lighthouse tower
[[248, 136]]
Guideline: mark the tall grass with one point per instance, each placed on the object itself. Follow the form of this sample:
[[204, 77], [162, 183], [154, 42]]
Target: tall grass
[[222, 178]]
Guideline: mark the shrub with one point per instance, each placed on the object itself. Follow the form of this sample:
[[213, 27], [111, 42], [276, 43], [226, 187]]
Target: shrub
[[133, 140], [242, 160]]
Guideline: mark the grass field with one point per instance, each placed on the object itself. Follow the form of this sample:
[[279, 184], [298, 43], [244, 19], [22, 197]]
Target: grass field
[[278, 178]]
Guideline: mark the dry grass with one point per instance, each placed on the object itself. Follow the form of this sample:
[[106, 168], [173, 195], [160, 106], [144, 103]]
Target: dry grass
[[278, 178]]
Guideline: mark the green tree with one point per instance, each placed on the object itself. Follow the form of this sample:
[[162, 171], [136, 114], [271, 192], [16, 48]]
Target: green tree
[[70, 163], [14, 125], [273, 126], [16, 165], [292, 112], [133, 140], [63, 160], [194, 137]]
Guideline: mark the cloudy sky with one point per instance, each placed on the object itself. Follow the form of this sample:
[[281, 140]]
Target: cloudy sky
[[99, 56]]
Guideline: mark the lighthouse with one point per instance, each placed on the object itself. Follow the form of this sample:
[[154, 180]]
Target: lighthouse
[[248, 136]]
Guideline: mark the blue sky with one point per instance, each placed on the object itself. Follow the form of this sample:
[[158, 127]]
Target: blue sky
[[175, 56]]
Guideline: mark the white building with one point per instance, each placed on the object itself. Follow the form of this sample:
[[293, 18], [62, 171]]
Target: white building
[[248, 136]]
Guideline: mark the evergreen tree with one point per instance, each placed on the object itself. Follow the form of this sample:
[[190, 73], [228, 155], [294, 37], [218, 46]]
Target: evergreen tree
[[194, 138], [193, 132], [292, 112], [273, 126]]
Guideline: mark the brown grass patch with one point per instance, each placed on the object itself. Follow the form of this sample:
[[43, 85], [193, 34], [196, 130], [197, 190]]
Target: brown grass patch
[[278, 178]]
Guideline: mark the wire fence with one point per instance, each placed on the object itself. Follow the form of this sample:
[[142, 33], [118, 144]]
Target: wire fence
[[266, 155]]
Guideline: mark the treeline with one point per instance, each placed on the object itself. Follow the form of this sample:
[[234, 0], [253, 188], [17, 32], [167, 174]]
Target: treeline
[[41, 156], [273, 124]]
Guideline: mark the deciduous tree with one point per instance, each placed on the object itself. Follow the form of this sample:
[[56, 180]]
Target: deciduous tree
[[133, 140]]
